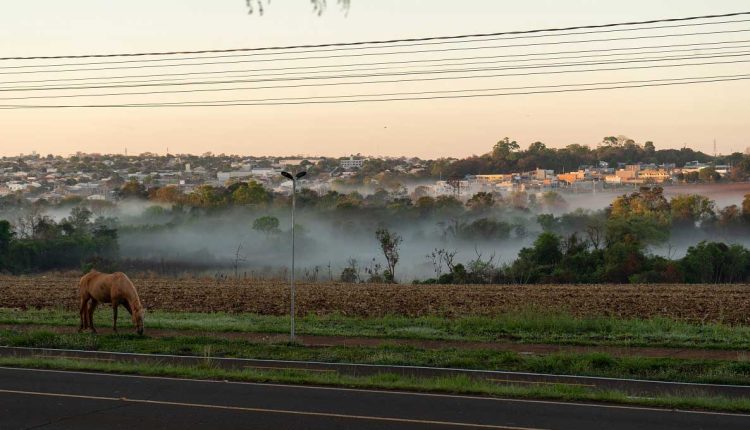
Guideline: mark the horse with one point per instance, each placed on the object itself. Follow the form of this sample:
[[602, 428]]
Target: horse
[[96, 287]]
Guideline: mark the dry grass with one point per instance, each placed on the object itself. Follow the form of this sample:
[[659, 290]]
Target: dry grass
[[697, 303]]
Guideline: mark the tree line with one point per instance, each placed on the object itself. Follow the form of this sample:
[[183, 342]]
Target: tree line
[[38, 243]]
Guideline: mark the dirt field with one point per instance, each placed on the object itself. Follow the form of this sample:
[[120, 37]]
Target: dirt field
[[708, 303]]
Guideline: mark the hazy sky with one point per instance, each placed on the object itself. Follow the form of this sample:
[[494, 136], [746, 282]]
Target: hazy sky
[[670, 116]]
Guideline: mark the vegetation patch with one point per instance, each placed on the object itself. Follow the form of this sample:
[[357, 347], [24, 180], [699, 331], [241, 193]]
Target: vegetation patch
[[526, 326], [588, 364]]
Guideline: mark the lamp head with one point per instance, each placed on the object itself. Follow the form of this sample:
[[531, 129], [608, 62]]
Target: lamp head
[[301, 174], [287, 175]]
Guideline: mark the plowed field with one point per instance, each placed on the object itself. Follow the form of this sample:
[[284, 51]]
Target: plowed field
[[699, 303]]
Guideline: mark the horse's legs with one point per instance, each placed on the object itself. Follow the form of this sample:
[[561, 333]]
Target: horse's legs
[[115, 305], [126, 305], [83, 312], [92, 306]]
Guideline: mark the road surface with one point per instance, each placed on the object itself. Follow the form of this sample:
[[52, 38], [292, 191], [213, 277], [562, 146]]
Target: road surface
[[46, 399]]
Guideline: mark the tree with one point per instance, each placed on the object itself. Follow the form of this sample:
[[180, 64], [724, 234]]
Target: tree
[[132, 189], [546, 250], [504, 148], [486, 229], [207, 196], [746, 208], [6, 236], [78, 222], [319, 6], [481, 201], [425, 204], [711, 262], [649, 147], [266, 225], [638, 230], [448, 205], [709, 174], [690, 209], [251, 193], [350, 274], [729, 216], [389, 243], [553, 201], [168, 194]]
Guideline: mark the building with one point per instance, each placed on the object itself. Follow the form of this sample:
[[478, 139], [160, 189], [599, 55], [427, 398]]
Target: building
[[296, 161], [260, 172], [543, 174], [496, 178], [613, 179], [654, 175], [627, 175], [352, 163], [572, 177]]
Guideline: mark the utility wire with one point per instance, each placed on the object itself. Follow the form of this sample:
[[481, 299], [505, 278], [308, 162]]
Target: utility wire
[[384, 42], [694, 78], [307, 102], [390, 81], [37, 66], [362, 95], [365, 75], [151, 60], [398, 64], [367, 54]]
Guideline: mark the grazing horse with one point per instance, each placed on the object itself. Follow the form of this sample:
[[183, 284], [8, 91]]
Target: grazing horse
[[115, 288]]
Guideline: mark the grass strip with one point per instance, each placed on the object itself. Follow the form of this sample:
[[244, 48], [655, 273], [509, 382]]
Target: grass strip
[[523, 327], [452, 385], [589, 364]]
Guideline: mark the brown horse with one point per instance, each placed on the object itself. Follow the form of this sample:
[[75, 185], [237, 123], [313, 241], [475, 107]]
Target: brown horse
[[115, 288]]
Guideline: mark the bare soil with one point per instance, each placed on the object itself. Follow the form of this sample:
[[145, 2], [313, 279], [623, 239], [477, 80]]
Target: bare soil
[[728, 304]]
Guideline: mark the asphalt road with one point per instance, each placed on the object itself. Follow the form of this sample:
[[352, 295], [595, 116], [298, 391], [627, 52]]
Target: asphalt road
[[43, 399], [634, 387]]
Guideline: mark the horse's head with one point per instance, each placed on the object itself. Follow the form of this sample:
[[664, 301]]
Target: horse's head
[[138, 319]]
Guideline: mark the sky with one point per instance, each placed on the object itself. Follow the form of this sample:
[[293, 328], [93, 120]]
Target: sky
[[672, 117]]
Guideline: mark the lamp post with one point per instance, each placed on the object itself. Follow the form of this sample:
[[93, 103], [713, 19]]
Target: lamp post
[[294, 179]]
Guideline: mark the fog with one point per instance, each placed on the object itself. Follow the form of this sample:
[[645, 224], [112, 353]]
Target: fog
[[158, 237], [323, 247]]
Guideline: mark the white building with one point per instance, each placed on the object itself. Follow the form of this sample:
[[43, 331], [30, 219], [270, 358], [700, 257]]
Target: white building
[[352, 163], [261, 172]]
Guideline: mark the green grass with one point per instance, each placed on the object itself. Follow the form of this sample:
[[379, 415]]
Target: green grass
[[522, 327], [455, 385], [592, 364]]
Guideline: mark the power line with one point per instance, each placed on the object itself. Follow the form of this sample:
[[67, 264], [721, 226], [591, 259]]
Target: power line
[[367, 75], [383, 42], [383, 81], [208, 104], [367, 54], [694, 78], [189, 58], [36, 66], [397, 63], [419, 92]]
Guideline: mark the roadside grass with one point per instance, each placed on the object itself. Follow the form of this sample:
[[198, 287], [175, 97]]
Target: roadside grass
[[523, 327], [590, 364], [453, 385]]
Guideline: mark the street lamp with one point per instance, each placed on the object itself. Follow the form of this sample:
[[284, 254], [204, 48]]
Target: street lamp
[[294, 179]]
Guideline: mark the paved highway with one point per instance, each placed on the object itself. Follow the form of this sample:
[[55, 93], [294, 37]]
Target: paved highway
[[44, 399]]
